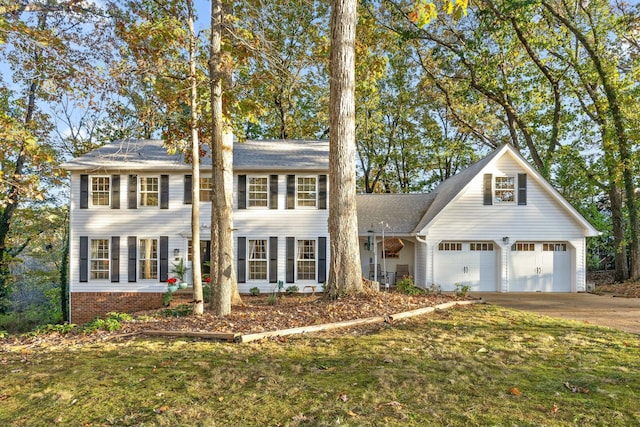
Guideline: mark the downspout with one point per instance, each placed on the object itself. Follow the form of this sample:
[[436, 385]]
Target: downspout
[[426, 270]]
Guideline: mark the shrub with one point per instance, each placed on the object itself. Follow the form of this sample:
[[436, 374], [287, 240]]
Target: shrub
[[434, 289], [272, 299], [406, 286], [292, 290], [110, 323], [462, 290], [167, 297], [254, 291], [62, 329], [206, 293], [182, 310]]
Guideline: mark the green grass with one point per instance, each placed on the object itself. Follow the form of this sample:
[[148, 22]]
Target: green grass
[[454, 368]]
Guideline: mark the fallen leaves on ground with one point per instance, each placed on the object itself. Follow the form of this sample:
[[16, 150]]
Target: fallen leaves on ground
[[256, 315]]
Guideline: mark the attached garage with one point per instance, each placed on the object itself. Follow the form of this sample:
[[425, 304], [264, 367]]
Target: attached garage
[[540, 267], [474, 264]]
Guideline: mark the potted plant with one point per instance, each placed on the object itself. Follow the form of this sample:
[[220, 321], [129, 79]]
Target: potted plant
[[180, 270], [172, 284]]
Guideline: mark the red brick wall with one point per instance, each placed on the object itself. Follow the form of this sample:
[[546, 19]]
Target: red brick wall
[[85, 306]]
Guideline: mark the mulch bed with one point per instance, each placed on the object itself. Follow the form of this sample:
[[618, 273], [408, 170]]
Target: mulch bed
[[254, 316]]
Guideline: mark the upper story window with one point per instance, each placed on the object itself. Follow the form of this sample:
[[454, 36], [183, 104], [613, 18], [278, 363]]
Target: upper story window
[[149, 190], [206, 189], [148, 258], [307, 194], [99, 259], [100, 190], [504, 189], [258, 191]]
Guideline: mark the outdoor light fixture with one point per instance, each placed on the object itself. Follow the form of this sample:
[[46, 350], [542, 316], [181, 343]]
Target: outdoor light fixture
[[176, 252], [505, 239]]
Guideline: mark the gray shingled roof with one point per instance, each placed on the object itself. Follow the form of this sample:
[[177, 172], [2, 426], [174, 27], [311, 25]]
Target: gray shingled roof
[[248, 155], [401, 212]]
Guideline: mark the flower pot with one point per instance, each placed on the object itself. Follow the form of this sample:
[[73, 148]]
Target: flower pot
[[172, 288], [183, 285]]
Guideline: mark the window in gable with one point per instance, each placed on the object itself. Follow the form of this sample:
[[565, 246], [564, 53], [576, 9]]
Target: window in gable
[[149, 187], [100, 190], [257, 260], [258, 191], [505, 189], [148, 258], [307, 194], [99, 262]]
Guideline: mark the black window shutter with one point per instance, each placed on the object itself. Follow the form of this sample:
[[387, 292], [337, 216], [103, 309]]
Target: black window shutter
[[133, 192], [322, 259], [242, 259], [291, 192], [84, 191], [242, 191], [522, 188], [291, 259], [164, 191], [273, 260], [188, 184], [84, 259], [488, 192], [132, 248], [164, 258], [273, 192], [115, 259], [205, 258], [115, 191], [322, 192]]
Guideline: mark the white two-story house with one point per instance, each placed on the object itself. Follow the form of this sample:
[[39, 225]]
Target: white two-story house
[[497, 226]]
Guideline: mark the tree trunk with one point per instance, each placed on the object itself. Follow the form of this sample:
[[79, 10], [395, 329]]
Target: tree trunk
[[345, 274], [198, 307], [617, 222]]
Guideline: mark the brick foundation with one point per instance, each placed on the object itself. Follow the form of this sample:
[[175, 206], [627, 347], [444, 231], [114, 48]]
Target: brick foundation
[[85, 306]]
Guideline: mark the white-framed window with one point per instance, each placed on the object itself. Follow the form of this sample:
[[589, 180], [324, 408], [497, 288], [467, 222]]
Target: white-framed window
[[307, 191], [149, 190], [257, 259], [148, 258], [258, 191], [100, 191], [306, 260], [450, 246], [99, 259], [504, 190], [206, 189]]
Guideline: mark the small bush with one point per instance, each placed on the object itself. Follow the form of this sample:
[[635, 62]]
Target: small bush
[[272, 299], [62, 329], [254, 291], [434, 289], [292, 290], [110, 323], [407, 287], [206, 293], [167, 297], [462, 290], [182, 310], [3, 334]]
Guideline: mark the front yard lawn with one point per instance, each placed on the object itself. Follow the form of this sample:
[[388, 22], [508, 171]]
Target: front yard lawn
[[476, 365]]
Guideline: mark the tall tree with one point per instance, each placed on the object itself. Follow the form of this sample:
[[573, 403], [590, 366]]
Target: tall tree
[[345, 275]]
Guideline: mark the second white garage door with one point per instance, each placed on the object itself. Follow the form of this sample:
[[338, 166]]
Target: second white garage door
[[468, 263], [540, 267]]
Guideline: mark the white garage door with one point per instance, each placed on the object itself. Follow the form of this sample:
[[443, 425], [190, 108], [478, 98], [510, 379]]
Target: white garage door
[[540, 267], [468, 263]]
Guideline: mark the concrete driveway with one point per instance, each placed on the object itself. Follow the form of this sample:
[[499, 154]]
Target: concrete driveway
[[603, 310]]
